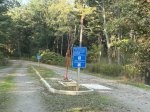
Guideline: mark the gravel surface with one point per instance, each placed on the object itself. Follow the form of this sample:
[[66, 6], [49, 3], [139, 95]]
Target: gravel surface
[[135, 99], [27, 96], [30, 96]]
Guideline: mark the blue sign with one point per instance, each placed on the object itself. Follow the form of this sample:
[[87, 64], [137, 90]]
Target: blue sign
[[39, 57], [79, 57]]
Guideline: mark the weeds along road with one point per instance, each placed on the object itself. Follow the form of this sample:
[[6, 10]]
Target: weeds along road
[[27, 94]]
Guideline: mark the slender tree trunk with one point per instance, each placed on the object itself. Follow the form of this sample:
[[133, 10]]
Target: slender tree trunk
[[105, 32], [46, 35], [99, 44], [118, 51], [19, 50], [62, 45], [57, 46], [81, 30]]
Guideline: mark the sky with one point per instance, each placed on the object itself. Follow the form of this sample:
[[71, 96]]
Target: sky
[[26, 1]]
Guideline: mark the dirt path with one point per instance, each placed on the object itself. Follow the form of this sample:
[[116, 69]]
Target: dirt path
[[28, 96], [137, 100], [28, 93]]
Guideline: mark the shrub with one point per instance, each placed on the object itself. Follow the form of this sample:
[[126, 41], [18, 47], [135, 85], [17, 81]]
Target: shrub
[[33, 58], [106, 69], [51, 58], [3, 60], [130, 71], [111, 69]]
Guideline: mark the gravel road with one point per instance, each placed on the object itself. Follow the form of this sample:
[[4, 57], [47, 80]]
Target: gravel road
[[29, 95], [136, 99]]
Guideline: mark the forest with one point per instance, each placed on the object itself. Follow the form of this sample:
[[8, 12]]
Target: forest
[[115, 32]]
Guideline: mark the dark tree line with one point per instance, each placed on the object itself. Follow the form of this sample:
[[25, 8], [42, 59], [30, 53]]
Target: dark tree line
[[115, 30]]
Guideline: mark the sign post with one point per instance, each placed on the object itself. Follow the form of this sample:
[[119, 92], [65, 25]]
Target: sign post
[[38, 58], [79, 60]]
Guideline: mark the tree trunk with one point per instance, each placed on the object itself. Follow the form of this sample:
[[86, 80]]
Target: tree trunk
[[118, 51], [81, 29], [118, 57], [57, 46], [62, 45], [19, 50], [105, 32], [99, 44]]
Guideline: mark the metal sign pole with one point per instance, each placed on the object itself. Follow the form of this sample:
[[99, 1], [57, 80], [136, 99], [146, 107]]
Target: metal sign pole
[[38, 58], [78, 78], [79, 61], [38, 62]]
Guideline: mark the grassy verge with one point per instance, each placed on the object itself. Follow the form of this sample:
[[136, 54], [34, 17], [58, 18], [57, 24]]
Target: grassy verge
[[52, 78], [7, 83], [139, 85], [83, 103], [102, 75], [45, 73]]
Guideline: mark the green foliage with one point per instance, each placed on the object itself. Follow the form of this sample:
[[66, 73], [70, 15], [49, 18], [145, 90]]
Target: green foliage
[[106, 69], [50, 58], [144, 54], [53, 58], [34, 58], [131, 72], [3, 60], [139, 85], [93, 53], [126, 45]]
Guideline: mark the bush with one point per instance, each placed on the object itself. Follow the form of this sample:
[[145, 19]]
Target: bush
[[51, 58], [131, 72], [3, 60], [33, 58], [106, 69]]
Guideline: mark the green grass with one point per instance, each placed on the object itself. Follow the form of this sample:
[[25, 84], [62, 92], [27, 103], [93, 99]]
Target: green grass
[[139, 85], [45, 73], [102, 75], [48, 74], [82, 103], [7, 83]]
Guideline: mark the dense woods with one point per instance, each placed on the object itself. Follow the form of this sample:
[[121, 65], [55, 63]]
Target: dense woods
[[116, 32]]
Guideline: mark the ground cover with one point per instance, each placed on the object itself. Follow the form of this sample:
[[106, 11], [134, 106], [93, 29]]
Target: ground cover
[[54, 79], [7, 83], [139, 85], [82, 103]]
